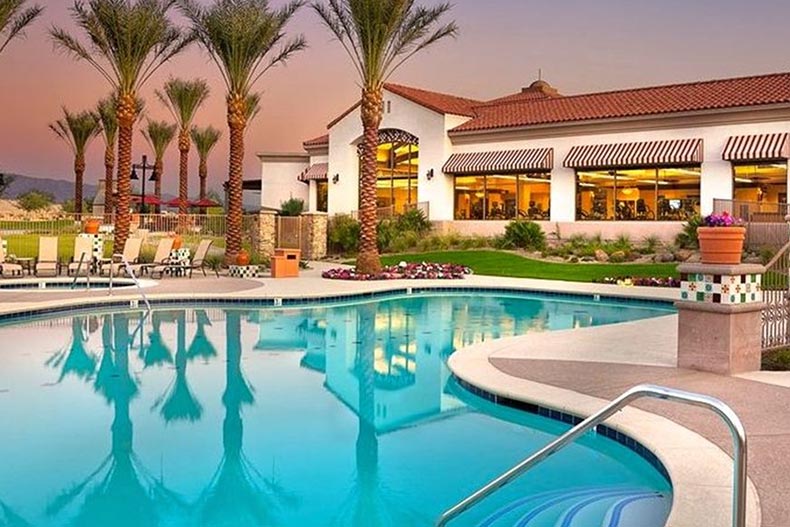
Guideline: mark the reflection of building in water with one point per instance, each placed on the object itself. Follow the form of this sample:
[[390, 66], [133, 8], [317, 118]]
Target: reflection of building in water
[[287, 330]]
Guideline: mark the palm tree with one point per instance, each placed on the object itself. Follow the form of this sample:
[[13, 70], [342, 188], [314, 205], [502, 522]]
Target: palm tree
[[159, 135], [128, 41], [77, 130], [205, 140], [183, 99], [241, 37], [106, 109], [379, 36], [14, 18]]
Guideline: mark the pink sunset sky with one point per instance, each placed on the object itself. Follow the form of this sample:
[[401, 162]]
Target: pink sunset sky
[[581, 46]]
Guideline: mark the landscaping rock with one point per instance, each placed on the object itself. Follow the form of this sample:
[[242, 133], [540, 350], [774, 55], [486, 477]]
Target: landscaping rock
[[753, 259], [587, 259], [601, 256], [664, 257], [682, 255], [618, 257]]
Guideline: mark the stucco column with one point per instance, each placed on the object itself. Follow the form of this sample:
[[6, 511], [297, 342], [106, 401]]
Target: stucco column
[[315, 231], [312, 196], [265, 233], [719, 318]]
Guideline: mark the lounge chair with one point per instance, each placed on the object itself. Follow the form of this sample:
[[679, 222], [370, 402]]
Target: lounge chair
[[8, 268], [47, 262], [161, 257], [131, 253], [81, 262], [198, 261]]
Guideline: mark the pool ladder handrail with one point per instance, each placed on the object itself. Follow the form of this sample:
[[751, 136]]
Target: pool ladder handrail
[[127, 266], [643, 390], [77, 273]]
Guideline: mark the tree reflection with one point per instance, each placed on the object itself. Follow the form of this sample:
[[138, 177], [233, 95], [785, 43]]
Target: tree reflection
[[179, 404], [201, 347], [9, 518], [156, 352], [75, 358]]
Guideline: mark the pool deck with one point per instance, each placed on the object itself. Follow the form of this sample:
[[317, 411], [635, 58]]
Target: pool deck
[[577, 371]]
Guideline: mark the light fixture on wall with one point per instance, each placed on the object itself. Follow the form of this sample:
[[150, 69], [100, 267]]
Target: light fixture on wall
[[429, 175], [335, 178]]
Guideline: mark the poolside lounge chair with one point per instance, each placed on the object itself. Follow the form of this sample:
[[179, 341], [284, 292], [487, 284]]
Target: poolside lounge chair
[[47, 262], [198, 261], [83, 254], [131, 253], [161, 257], [8, 268]]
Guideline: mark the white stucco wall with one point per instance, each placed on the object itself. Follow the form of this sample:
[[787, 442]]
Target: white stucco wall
[[279, 178]]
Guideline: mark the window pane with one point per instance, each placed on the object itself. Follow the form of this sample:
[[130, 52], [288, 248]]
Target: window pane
[[595, 195], [469, 193], [534, 196], [761, 183], [636, 194], [501, 197], [322, 196], [678, 193]]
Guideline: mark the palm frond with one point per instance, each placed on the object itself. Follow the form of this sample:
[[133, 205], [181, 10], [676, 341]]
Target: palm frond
[[205, 140], [14, 18], [183, 99], [77, 130], [106, 110], [159, 135]]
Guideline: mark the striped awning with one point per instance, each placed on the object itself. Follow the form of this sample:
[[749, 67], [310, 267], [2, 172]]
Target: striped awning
[[317, 172], [765, 147], [501, 162], [649, 153]]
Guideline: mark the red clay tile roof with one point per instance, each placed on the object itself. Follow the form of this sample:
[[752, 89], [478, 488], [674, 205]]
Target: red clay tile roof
[[696, 96], [318, 141], [438, 102]]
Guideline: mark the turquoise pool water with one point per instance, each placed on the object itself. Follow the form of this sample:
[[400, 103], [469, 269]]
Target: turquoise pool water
[[335, 415]]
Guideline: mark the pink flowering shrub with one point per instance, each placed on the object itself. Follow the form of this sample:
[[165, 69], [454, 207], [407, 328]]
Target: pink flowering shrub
[[403, 271]]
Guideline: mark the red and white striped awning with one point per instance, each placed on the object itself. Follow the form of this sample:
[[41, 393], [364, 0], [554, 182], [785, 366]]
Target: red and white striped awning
[[317, 172], [502, 162], [765, 147], [649, 153]]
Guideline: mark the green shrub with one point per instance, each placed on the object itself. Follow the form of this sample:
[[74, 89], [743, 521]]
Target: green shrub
[[405, 242], [767, 254], [35, 200], [651, 243], [777, 360], [413, 220], [622, 243], [525, 235], [343, 235], [687, 238], [292, 207], [386, 232]]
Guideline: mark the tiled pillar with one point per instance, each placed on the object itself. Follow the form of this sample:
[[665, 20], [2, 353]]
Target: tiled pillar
[[265, 233], [719, 318], [315, 230]]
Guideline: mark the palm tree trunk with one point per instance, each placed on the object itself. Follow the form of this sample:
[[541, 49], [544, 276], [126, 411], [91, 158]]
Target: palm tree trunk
[[79, 172], [109, 168], [159, 168], [183, 177], [127, 113], [368, 260], [203, 176], [236, 123]]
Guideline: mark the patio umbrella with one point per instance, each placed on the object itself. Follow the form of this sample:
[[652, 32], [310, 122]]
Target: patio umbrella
[[204, 203], [149, 200], [175, 202]]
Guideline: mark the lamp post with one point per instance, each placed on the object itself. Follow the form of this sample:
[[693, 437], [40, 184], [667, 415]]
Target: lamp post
[[144, 167]]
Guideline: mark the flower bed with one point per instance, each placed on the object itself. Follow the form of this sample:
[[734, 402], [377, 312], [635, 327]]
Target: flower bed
[[403, 271], [641, 282]]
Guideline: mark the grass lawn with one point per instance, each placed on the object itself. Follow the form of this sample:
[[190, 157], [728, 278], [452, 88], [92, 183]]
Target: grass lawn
[[500, 263]]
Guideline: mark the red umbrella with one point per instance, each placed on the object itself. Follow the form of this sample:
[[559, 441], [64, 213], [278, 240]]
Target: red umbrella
[[175, 202], [149, 200], [204, 203]]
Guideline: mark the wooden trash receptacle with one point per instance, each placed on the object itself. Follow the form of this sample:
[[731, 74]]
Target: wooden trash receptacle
[[285, 263]]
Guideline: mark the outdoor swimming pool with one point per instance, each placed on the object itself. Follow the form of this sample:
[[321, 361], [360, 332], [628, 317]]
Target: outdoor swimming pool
[[333, 415]]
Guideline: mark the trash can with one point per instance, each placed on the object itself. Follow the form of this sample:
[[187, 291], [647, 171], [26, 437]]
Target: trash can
[[285, 263]]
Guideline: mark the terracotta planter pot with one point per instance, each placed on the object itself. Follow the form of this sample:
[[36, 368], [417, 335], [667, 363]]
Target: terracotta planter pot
[[177, 242], [243, 258], [721, 245], [91, 226]]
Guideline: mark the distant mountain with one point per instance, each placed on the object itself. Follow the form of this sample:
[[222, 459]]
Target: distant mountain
[[61, 189]]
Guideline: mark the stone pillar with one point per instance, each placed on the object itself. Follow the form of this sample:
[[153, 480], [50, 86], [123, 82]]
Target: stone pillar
[[719, 317], [264, 235], [315, 230]]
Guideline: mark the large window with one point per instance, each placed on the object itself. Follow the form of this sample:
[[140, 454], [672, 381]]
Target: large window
[[503, 197], [322, 196], [397, 169], [645, 194], [766, 183]]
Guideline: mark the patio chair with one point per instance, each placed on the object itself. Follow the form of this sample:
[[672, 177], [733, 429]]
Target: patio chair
[[81, 262], [131, 253], [7, 268], [198, 261], [161, 257], [47, 262]]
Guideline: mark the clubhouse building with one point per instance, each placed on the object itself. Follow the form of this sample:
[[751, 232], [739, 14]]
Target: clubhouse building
[[636, 162]]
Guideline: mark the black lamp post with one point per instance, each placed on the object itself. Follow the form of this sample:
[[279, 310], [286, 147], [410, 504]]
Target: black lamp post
[[144, 167]]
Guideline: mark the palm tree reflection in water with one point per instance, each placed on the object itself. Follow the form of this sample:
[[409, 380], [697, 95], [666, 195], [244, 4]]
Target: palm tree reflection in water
[[75, 359], [156, 352], [180, 404]]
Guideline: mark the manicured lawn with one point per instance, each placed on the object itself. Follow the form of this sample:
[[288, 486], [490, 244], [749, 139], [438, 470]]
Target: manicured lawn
[[500, 263]]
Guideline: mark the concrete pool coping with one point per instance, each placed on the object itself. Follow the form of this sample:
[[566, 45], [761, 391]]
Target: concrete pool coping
[[702, 502]]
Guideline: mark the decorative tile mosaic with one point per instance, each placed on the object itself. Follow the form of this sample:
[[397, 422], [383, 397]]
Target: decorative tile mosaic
[[243, 271], [721, 289], [98, 244]]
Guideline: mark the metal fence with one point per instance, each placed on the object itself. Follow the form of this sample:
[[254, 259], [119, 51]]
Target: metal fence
[[776, 295], [765, 222]]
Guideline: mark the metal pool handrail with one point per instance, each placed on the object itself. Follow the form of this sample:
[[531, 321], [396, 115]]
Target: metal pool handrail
[[130, 272], [77, 274], [637, 392]]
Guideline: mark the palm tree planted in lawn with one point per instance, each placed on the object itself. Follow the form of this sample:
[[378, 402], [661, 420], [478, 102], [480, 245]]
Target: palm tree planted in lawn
[[128, 41], [379, 36], [15, 16], [183, 99], [245, 38], [159, 135], [106, 109], [77, 130], [205, 140]]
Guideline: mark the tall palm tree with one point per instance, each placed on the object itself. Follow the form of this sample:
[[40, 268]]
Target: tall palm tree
[[245, 38], [105, 109], [379, 36], [77, 130], [128, 41], [183, 99], [14, 18], [205, 140], [159, 135]]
